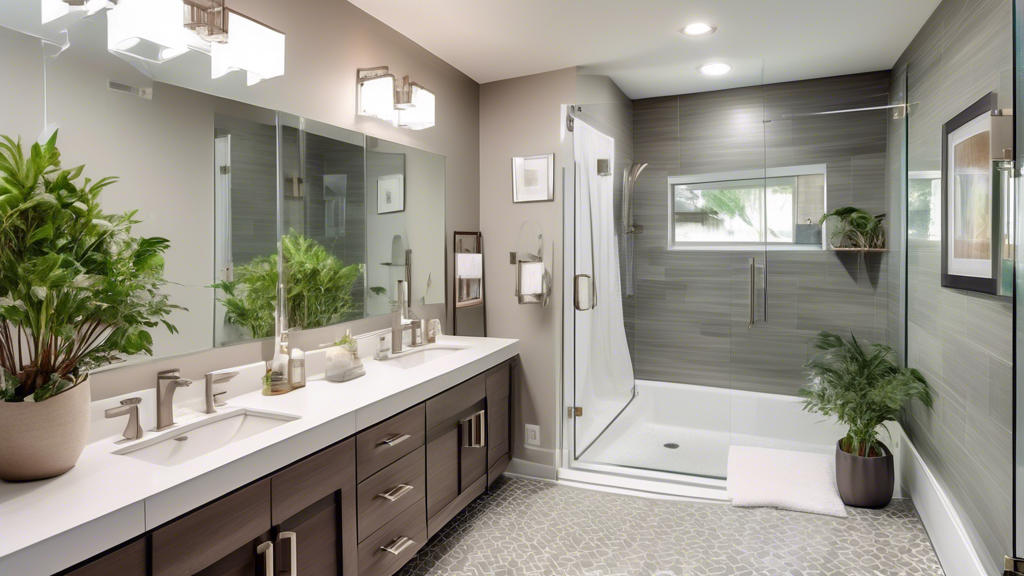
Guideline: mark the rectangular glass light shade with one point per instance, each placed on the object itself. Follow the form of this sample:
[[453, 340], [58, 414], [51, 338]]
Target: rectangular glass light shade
[[147, 29], [376, 97], [251, 46], [421, 114]]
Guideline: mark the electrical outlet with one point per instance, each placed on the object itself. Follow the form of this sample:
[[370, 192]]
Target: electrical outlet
[[533, 434]]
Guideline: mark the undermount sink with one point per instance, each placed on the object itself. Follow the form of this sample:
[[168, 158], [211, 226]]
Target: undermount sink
[[195, 439], [420, 356]]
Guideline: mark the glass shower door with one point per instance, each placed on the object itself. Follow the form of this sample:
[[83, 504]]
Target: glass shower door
[[603, 365]]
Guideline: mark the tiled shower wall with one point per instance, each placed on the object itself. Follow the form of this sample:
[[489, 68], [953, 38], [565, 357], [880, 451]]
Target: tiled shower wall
[[691, 307], [961, 341]]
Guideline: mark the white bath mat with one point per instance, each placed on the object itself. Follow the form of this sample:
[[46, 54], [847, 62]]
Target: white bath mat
[[799, 481]]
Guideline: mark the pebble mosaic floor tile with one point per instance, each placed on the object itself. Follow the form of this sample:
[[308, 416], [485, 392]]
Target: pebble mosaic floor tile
[[529, 527]]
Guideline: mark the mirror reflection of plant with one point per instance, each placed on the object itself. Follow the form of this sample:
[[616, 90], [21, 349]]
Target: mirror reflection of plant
[[856, 229], [319, 285], [862, 388], [77, 289], [318, 292]]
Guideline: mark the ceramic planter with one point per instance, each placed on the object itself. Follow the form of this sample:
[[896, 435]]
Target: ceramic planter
[[865, 482], [43, 439]]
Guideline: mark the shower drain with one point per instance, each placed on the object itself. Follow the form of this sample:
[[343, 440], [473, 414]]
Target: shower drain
[[671, 445]]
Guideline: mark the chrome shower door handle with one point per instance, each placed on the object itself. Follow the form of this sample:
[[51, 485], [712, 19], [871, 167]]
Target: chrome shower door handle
[[577, 293], [753, 281]]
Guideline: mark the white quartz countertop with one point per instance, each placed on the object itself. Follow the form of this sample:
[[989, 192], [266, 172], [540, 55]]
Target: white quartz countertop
[[107, 499]]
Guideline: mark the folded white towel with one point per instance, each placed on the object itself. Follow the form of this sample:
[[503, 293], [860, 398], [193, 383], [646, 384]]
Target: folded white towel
[[532, 280], [799, 481]]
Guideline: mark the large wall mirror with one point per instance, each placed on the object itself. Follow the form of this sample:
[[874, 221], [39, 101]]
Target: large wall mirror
[[246, 196]]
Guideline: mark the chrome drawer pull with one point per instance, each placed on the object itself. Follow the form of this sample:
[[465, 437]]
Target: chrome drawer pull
[[398, 545], [473, 430], [266, 551], [396, 492], [394, 439]]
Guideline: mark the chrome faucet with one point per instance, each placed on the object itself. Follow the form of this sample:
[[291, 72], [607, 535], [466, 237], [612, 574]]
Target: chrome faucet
[[211, 397], [167, 382], [399, 325], [129, 406]]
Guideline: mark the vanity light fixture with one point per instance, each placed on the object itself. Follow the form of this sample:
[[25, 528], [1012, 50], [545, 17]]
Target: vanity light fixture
[[699, 29], [207, 18], [54, 9], [147, 29], [375, 93], [714, 68], [251, 46], [415, 106]]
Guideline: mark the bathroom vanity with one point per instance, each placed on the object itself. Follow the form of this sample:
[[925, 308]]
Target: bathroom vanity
[[355, 481]]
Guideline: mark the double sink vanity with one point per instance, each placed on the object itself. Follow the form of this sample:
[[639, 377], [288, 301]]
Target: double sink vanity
[[335, 478]]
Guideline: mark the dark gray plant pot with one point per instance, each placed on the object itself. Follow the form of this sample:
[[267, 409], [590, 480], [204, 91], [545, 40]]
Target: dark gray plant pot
[[865, 482]]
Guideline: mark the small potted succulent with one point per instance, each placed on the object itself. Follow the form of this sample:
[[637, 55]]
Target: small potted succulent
[[863, 388], [77, 291]]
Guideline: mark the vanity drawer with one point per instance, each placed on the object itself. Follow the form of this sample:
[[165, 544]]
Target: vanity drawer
[[448, 405], [411, 524], [197, 540], [375, 510], [388, 441]]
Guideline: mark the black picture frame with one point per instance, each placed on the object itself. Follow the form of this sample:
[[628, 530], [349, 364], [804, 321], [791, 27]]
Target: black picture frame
[[985, 105]]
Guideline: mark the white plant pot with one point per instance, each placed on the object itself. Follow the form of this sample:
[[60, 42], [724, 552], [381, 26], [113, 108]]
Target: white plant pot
[[43, 439]]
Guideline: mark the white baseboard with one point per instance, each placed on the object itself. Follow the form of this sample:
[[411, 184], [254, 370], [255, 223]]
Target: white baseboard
[[945, 527], [529, 469]]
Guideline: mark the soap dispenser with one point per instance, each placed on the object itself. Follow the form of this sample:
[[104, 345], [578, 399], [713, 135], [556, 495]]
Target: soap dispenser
[[297, 369]]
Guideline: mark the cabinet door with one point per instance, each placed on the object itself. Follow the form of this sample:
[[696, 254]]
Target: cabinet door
[[442, 470], [314, 513], [129, 560], [246, 560], [202, 538]]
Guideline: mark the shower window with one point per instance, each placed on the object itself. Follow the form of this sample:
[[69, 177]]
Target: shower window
[[728, 209]]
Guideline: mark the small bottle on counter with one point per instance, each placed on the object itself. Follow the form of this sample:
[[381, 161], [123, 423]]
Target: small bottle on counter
[[297, 369]]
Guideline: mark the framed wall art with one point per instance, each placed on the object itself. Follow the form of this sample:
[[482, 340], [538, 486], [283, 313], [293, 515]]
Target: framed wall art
[[533, 178]]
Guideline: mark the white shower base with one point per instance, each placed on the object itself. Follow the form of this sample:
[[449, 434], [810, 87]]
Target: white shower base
[[703, 422]]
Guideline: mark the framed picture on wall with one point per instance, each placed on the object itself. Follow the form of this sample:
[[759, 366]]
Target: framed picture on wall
[[972, 142], [533, 178], [390, 194]]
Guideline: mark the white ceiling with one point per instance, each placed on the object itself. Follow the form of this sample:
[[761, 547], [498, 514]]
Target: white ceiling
[[636, 42]]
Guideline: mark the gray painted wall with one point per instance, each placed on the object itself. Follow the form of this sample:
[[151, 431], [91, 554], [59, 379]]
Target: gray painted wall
[[692, 306], [961, 341]]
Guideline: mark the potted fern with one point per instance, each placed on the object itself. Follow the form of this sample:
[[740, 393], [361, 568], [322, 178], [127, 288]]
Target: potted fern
[[77, 291], [863, 388], [856, 229]]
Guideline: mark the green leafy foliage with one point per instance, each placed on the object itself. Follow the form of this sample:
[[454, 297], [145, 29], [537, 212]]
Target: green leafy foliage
[[862, 388], [318, 288], [77, 289], [856, 229]]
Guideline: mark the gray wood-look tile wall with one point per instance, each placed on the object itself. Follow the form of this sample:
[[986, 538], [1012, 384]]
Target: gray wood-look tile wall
[[961, 341], [691, 307]]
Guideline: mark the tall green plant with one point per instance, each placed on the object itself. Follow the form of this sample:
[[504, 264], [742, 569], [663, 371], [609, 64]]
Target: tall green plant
[[318, 288], [856, 229], [77, 289], [862, 388]]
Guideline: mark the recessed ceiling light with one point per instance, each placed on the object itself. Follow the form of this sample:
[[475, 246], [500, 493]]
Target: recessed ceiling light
[[714, 68], [699, 29]]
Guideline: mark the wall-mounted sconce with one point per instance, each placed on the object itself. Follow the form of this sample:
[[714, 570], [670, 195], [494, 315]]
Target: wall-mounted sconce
[[147, 29], [54, 9], [375, 93], [378, 96], [159, 30], [416, 108], [207, 18], [251, 46]]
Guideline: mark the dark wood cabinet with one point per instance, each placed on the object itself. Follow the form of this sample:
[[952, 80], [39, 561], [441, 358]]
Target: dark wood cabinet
[[128, 560], [362, 507], [314, 514]]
